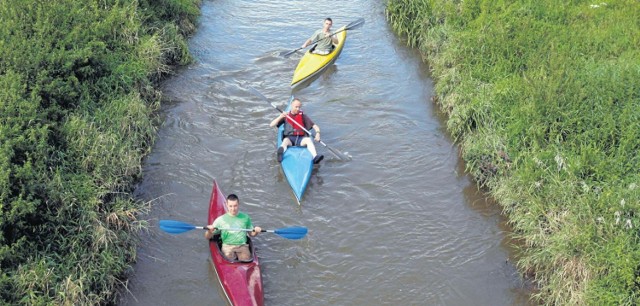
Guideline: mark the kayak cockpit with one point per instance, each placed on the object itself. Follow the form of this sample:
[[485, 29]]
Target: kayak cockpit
[[333, 47], [218, 241]]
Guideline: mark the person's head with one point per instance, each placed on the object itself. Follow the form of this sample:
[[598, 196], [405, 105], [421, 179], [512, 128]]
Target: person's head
[[327, 24], [232, 204], [296, 105]]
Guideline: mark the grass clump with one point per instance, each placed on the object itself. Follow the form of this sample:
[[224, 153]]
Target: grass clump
[[77, 93], [544, 99]]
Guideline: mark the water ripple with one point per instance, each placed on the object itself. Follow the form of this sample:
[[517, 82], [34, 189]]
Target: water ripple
[[397, 225]]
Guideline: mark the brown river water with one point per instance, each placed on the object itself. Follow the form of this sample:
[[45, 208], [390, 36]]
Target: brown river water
[[400, 224]]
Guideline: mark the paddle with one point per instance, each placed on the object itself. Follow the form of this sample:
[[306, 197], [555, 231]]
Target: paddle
[[335, 152], [178, 227], [353, 25]]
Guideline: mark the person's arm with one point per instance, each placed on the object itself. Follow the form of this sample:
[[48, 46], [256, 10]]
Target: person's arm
[[335, 39], [210, 231], [317, 129], [312, 39], [309, 124], [307, 42], [277, 121], [256, 231]]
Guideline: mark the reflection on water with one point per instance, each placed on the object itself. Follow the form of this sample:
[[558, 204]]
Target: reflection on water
[[400, 224]]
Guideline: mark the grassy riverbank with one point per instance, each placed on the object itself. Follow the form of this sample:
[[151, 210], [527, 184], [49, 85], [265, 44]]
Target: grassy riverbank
[[77, 94], [544, 99]]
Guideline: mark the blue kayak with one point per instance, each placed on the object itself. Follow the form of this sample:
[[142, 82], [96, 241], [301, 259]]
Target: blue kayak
[[297, 163]]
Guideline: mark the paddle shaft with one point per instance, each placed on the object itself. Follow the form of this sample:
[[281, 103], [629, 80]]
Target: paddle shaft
[[291, 119], [293, 233], [317, 40], [311, 44], [239, 229], [333, 151], [245, 230], [302, 127], [234, 229], [350, 26], [179, 227]]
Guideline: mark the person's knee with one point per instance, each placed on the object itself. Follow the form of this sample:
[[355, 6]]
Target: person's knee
[[244, 254]]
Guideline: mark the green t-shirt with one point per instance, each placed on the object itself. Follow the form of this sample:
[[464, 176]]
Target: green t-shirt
[[324, 43], [242, 220]]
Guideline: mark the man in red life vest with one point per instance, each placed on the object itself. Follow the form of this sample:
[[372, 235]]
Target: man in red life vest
[[293, 134]]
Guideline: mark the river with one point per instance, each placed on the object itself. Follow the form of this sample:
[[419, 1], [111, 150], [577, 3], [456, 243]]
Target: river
[[400, 224]]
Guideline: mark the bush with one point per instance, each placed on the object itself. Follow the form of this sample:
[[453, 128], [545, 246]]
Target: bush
[[544, 99], [77, 95]]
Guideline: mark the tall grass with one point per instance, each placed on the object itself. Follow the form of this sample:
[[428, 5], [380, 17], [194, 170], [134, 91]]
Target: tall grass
[[544, 100], [77, 94]]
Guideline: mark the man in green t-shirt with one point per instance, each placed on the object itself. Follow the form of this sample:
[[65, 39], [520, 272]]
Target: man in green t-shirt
[[324, 38], [234, 243]]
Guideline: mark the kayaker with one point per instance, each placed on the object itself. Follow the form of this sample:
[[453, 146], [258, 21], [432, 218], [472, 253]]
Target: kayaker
[[293, 134], [324, 39], [234, 243]]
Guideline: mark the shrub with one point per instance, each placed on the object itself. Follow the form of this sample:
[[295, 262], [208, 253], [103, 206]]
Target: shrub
[[544, 100], [77, 95]]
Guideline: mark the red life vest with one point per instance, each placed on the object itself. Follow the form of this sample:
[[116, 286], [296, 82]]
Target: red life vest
[[292, 120]]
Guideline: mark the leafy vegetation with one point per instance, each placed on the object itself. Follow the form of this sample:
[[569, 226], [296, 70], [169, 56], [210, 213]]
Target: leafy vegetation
[[544, 98], [77, 94]]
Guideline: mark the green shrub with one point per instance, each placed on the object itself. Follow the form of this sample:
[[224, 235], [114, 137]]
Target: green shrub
[[544, 99], [77, 96]]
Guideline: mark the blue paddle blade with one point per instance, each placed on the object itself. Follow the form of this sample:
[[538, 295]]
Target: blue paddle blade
[[175, 227], [294, 233]]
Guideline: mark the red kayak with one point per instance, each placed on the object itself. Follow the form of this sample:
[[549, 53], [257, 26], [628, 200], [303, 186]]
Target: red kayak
[[241, 280]]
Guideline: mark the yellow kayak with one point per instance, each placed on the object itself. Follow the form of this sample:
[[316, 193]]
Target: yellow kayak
[[312, 64]]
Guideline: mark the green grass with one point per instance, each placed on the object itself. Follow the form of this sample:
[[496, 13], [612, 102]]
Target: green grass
[[78, 93], [544, 100]]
